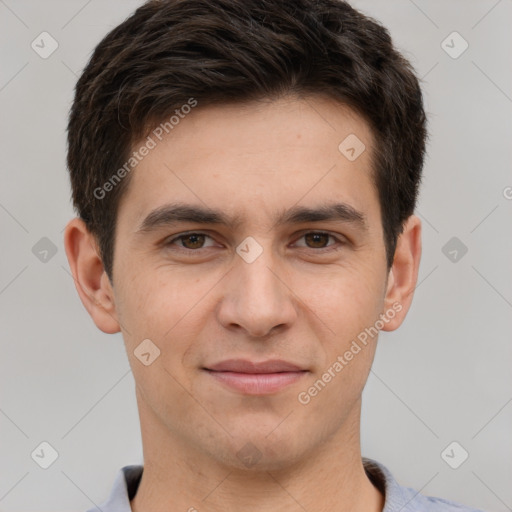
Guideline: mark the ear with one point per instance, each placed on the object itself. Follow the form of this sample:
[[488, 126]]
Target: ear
[[403, 275], [91, 280]]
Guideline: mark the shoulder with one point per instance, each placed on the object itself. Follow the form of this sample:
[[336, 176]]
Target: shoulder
[[405, 499], [418, 502], [123, 490]]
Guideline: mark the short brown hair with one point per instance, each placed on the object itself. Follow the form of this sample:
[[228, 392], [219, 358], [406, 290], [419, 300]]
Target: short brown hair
[[226, 51]]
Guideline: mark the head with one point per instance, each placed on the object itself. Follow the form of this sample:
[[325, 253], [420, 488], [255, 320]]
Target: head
[[299, 131]]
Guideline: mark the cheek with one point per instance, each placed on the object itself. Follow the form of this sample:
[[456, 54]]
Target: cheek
[[345, 300], [162, 313], [350, 307], [151, 308], [154, 300], [171, 309]]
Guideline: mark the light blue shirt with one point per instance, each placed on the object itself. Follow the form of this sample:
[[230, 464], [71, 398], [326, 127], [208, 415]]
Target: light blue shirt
[[397, 498]]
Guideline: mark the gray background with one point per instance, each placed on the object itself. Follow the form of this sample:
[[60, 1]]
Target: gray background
[[443, 376]]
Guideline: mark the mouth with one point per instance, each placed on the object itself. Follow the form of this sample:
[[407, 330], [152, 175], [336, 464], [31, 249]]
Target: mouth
[[256, 378]]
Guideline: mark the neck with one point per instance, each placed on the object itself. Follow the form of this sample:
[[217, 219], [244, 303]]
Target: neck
[[178, 476]]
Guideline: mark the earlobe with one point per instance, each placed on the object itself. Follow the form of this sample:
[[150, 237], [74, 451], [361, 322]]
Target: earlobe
[[91, 281], [403, 274]]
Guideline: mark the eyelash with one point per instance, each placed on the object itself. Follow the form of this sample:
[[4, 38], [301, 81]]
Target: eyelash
[[319, 250]]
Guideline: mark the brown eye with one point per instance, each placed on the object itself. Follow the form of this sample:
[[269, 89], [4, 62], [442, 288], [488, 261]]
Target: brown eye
[[320, 242], [317, 240], [190, 241]]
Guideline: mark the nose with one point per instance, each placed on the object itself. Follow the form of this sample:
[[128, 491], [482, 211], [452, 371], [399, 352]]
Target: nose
[[257, 297]]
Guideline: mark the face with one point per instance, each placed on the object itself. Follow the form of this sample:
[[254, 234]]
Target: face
[[280, 274]]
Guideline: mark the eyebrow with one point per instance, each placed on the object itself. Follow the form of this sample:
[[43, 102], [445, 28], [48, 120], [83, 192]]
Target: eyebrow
[[170, 214]]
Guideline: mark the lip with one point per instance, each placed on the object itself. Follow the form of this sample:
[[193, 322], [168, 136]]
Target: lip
[[256, 378], [245, 366]]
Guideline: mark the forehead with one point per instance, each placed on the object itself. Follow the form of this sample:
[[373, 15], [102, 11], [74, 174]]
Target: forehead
[[256, 158]]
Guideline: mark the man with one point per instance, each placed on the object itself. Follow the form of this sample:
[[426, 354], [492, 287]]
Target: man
[[245, 175]]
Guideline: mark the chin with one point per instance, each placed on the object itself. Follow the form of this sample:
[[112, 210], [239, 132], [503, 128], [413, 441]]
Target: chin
[[260, 449]]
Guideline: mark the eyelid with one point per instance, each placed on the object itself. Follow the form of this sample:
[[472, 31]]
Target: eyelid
[[174, 238], [340, 239], [316, 232]]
